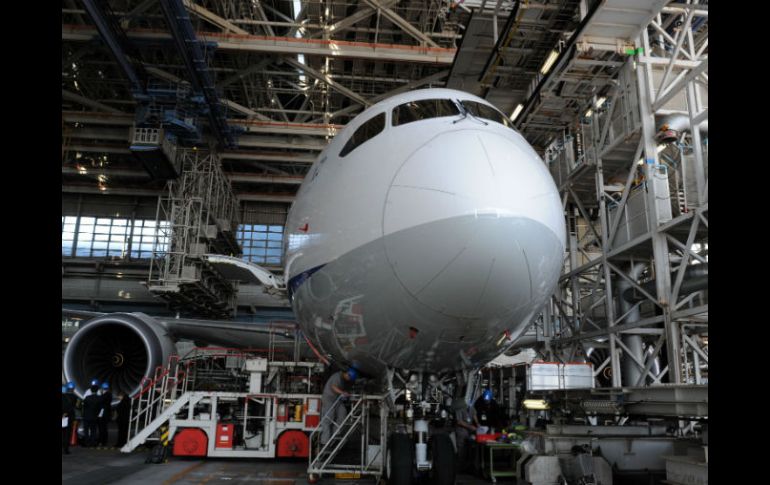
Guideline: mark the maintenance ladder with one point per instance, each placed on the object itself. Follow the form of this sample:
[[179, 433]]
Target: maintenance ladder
[[354, 428], [162, 397]]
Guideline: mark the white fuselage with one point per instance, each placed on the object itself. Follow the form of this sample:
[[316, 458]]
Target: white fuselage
[[430, 246]]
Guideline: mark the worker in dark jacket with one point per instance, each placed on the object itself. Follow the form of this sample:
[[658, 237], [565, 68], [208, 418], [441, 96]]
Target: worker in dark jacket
[[105, 415], [487, 412], [123, 410], [68, 405], [464, 429], [92, 405]]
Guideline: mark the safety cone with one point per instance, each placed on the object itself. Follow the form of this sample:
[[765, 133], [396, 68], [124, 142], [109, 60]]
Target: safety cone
[[74, 434]]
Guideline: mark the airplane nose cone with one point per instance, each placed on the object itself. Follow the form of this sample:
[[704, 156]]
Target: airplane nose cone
[[473, 227]]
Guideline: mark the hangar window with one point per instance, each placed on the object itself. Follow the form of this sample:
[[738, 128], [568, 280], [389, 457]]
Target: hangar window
[[261, 243], [111, 237], [146, 234], [486, 112], [423, 109], [68, 224], [364, 133]]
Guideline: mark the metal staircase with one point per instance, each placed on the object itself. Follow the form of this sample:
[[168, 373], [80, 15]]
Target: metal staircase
[[158, 400], [354, 428], [144, 434]]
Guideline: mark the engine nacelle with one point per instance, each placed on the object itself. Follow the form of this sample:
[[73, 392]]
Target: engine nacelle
[[119, 348]]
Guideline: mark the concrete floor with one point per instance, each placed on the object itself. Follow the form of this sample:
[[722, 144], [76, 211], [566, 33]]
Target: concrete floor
[[90, 466]]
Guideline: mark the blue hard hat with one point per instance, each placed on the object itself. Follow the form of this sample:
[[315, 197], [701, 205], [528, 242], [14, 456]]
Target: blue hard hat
[[352, 373], [63, 388], [70, 385], [94, 382], [487, 394], [106, 385]]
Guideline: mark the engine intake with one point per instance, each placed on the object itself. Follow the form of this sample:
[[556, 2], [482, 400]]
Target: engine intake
[[120, 348]]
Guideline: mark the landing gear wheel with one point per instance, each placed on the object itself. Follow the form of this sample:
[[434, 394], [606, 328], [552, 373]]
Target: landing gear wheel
[[400, 460], [443, 460]]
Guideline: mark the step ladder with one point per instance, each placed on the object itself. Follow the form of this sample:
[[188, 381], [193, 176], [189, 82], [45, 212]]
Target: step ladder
[[339, 437], [163, 418], [159, 399], [353, 430]]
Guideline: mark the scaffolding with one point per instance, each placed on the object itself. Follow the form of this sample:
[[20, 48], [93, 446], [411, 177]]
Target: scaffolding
[[633, 175], [198, 215]]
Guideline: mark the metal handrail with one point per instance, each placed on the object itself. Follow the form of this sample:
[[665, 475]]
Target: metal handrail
[[339, 427]]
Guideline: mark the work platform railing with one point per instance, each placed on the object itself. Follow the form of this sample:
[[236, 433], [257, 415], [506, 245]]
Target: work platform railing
[[338, 454], [213, 368]]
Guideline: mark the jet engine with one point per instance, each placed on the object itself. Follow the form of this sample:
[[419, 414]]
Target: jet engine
[[119, 348]]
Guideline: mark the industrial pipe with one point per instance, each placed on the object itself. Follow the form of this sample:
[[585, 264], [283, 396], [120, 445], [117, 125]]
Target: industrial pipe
[[696, 278], [631, 372]]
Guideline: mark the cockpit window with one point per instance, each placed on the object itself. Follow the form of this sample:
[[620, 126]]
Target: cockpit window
[[423, 109], [486, 112], [364, 133]]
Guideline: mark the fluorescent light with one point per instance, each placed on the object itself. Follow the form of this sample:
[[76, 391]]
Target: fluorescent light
[[517, 111], [600, 102], [589, 113], [538, 404], [549, 62]]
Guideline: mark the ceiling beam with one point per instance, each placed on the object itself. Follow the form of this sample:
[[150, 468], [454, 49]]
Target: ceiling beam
[[258, 67], [70, 96], [252, 126], [328, 80], [142, 174], [165, 75], [290, 157], [401, 89], [130, 16], [402, 23], [243, 196], [261, 197], [289, 45], [213, 18], [361, 14], [243, 109]]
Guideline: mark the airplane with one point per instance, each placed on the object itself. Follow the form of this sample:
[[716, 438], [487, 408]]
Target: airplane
[[424, 240]]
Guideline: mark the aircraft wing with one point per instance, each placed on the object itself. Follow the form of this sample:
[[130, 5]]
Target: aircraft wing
[[228, 333]]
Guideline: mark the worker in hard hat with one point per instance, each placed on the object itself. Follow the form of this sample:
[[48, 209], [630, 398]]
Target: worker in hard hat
[[487, 413], [105, 415], [68, 405], [92, 404], [339, 384], [123, 411], [90, 390]]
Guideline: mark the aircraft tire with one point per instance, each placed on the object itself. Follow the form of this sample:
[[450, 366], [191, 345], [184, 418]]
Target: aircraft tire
[[400, 460], [443, 460]]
